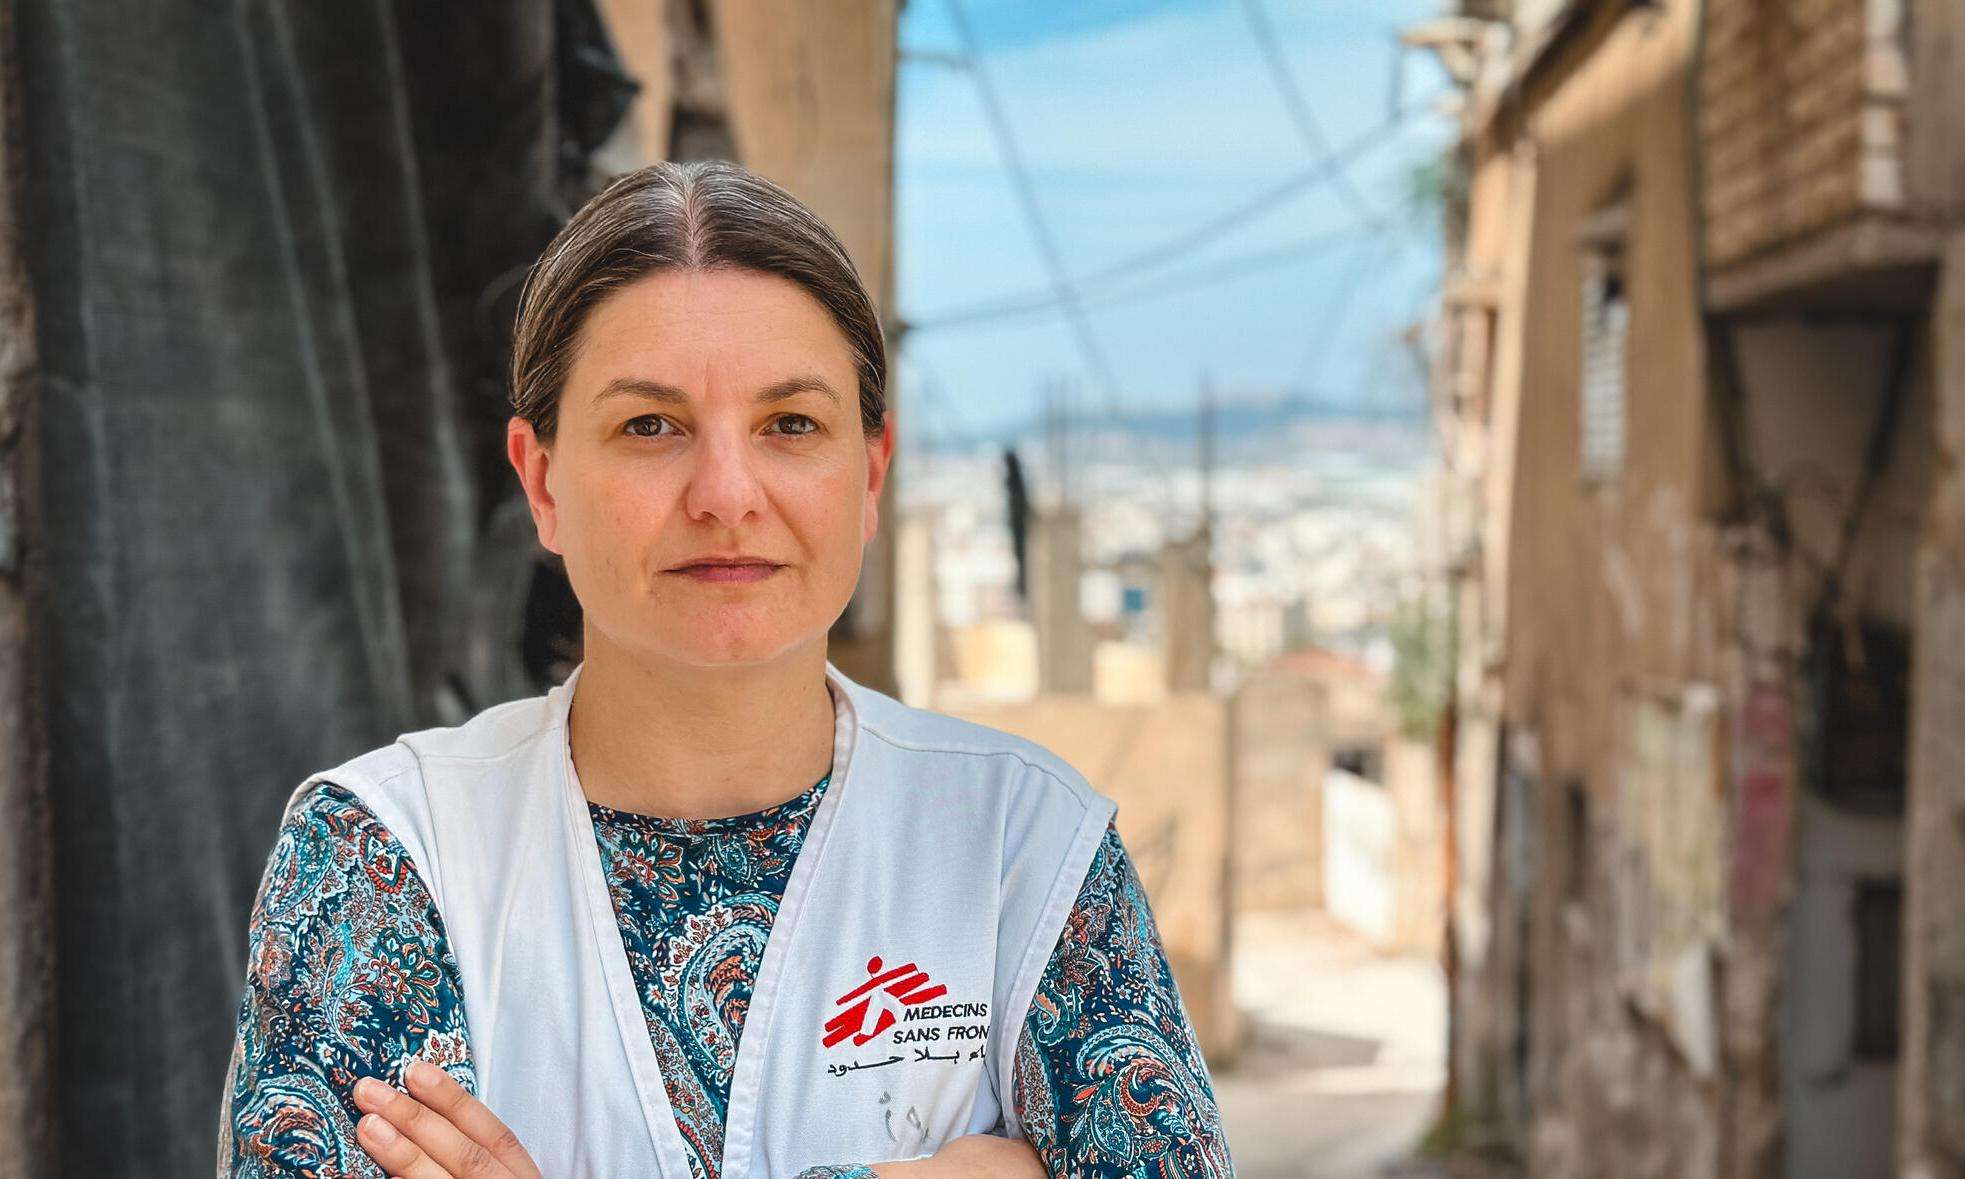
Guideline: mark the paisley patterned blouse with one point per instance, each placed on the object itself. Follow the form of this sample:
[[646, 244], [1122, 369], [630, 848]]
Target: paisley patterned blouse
[[349, 974]]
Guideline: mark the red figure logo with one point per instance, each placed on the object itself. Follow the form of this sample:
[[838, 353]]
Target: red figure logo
[[876, 1003]]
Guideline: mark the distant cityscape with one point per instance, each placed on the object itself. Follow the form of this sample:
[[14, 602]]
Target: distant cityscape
[[1319, 518]]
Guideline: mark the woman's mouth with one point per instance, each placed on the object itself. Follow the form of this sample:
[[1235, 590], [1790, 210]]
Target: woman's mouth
[[750, 571]]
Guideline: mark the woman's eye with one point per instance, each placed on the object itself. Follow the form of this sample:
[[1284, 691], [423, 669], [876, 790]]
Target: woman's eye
[[808, 426], [645, 426]]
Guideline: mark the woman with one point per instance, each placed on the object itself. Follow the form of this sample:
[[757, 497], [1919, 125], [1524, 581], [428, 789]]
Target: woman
[[709, 908]]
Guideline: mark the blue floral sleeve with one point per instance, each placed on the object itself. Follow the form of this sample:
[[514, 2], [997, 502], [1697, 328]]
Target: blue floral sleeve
[[1109, 1079], [348, 975]]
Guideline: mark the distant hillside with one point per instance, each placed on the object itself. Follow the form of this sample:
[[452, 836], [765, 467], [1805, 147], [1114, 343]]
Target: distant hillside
[[1251, 429]]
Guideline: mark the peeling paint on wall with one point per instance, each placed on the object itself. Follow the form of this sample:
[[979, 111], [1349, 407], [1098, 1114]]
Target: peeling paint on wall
[[1763, 752], [1668, 883]]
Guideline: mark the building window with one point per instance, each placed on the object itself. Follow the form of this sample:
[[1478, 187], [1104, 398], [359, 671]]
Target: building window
[[1879, 972], [1576, 838], [1366, 761], [1856, 742], [1606, 328]]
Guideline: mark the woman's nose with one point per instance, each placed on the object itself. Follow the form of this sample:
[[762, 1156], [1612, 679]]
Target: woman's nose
[[722, 481]]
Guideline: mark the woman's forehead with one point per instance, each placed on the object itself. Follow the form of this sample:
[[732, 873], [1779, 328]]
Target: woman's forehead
[[702, 331], [681, 303]]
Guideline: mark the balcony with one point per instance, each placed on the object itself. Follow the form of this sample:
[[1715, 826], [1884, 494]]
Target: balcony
[[1819, 187]]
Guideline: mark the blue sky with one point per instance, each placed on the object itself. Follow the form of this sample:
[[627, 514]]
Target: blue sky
[[1138, 123]]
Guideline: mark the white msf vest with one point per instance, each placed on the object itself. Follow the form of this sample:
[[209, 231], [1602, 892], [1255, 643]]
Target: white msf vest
[[934, 881]]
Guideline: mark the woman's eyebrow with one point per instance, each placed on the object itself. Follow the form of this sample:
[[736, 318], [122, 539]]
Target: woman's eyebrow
[[670, 395]]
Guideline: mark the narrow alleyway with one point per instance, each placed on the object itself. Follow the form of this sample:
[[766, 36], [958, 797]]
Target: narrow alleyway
[[1345, 1056]]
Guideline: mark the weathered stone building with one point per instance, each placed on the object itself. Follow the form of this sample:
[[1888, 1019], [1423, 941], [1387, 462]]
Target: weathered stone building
[[1702, 376]]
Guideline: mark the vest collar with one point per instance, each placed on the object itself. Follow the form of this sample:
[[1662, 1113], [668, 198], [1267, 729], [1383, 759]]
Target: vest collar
[[851, 700], [603, 939]]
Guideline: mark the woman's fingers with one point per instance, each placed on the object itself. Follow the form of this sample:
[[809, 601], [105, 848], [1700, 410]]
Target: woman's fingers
[[440, 1091], [410, 1139], [396, 1155]]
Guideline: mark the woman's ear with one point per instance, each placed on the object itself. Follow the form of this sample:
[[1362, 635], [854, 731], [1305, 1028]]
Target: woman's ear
[[880, 455], [532, 458]]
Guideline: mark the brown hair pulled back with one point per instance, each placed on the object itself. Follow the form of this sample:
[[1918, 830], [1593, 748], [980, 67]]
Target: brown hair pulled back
[[701, 215]]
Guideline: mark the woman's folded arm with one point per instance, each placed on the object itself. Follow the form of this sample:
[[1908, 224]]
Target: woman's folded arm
[[1109, 1076], [348, 975]]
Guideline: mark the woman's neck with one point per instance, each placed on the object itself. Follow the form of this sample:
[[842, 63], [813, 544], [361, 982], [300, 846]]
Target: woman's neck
[[699, 743]]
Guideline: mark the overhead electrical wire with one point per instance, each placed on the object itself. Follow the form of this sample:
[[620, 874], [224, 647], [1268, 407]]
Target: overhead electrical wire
[[1040, 229], [1300, 112], [1188, 241], [1067, 292], [1223, 270]]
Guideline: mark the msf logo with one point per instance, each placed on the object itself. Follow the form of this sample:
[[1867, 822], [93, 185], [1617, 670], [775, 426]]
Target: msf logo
[[873, 1006]]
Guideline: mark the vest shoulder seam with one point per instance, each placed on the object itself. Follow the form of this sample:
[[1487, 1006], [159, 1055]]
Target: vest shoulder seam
[[517, 743], [340, 778], [1075, 791]]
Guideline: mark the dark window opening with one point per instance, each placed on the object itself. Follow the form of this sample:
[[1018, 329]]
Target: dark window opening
[[1860, 684], [1879, 919], [1366, 761], [1576, 840]]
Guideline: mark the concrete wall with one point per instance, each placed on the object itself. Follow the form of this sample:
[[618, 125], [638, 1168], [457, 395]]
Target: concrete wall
[[1931, 1089], [1291, 715], [1381, 860], [1610, 587], [1360, 855], [1419, 863], [1481, 409], [1585, 592], [1064, 638], [1638, 873], [1282, 754], [1814, 393]]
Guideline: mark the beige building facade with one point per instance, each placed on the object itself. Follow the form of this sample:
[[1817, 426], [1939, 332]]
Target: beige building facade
[[1701, 358]]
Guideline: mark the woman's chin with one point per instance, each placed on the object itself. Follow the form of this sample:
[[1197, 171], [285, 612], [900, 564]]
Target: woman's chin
[[736, 647]]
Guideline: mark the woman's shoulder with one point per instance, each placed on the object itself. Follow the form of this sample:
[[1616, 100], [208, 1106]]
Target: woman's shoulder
[[331, 843], [397, 770], [492, 733], [924, 732]]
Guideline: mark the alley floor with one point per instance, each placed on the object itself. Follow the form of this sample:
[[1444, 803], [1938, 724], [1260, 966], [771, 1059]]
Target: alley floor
[[1341, 1069]]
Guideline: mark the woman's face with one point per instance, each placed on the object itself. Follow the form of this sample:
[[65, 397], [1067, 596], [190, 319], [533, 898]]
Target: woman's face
[[707, 415]]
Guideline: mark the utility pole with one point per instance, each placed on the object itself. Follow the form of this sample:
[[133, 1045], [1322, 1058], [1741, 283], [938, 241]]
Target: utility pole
[[1063, 642], [1205, 539], [1187, 577], [1207, 467], [1056, 441]]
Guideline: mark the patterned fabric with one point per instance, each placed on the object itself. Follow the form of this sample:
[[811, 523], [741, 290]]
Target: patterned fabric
[[1108, 1078], [695, 899], [349, 975]]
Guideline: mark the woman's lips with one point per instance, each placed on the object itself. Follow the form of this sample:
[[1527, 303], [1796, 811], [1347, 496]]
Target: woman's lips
[[728, 572]]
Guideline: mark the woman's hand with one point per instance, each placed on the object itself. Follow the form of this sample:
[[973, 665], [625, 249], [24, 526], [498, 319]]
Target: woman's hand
[[437, 1130], [975, 1156]]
